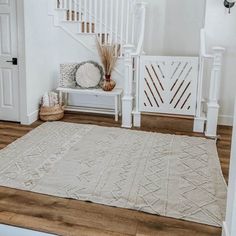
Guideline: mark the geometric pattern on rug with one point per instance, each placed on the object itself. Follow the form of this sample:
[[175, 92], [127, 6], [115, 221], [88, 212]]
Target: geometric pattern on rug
[[162, 174]]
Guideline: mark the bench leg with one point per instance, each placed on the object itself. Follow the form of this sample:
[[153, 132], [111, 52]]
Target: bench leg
[[116, 109], [66, 99], [60, 97], [119, 105]]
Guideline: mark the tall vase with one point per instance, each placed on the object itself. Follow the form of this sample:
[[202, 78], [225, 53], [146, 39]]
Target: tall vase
[[108, 83]]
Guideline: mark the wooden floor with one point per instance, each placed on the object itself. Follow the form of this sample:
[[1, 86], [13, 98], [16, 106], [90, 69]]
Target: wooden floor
[[75, 218]]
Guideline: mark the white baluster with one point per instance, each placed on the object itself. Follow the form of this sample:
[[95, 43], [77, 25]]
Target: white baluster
[[106, 15], [111, 22], [85, 16], [133, 22], [127, 100], [95, 15], [127, 22], [142, 7], [116, 24], [213, 105], [122, 26], [80, 10], [101, 20], [199, 120], [70, 10], [137, 113], [90, 12], [75, 10]]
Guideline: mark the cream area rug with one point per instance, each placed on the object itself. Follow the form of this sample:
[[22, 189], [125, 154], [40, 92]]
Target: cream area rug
[[168, 175]]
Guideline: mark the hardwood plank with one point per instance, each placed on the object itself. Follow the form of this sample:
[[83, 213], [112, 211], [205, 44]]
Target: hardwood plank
[[78, 214], [57, 227], [70, 217], [153, 229]]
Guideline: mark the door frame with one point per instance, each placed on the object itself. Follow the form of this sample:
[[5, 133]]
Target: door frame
[[21, 59]]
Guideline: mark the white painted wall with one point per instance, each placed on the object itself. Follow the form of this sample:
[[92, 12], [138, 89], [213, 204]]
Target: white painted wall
[[46, 47], [39, 43], [221, 30], [155, 27], [229, 227], [173, 26]]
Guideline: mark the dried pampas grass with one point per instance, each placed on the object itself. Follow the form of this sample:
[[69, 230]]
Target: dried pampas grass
[[109, 55]]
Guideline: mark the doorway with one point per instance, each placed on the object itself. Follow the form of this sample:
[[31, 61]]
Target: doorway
[[9, 69]]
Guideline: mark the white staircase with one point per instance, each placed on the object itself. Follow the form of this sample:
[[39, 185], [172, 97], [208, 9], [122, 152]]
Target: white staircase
[[122, 22], [111, 21]]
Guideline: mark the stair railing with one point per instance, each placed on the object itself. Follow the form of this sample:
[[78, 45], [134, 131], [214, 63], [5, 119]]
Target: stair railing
[[113, 21], [141, 12], [214, 93], [211, 118], [200, 118], [133, 52]]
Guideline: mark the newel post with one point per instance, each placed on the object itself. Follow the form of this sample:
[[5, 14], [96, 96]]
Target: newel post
[[127, 100], [214, 93]]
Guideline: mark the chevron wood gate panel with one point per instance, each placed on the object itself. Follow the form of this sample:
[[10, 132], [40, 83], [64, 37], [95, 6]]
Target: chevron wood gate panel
[[168, 85]]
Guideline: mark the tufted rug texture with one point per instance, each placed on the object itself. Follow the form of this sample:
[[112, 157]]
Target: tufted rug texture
[[168, 175]]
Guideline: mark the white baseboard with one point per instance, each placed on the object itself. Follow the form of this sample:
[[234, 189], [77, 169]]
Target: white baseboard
[[226, 120], [225, 231], [31, 118]]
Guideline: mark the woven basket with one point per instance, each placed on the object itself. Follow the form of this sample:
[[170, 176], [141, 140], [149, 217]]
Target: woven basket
[[51, 113]]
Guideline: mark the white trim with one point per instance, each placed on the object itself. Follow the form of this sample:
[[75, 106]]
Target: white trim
[[225, 231], [21, 60], [127, 105], [31, 118], [226, 120], [199, 124], [137, 119]]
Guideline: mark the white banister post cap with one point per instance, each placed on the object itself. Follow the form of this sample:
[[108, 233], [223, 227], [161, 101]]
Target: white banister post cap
[[128, 46]]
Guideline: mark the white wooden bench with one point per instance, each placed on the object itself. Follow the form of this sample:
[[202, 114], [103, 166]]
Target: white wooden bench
[[115, 93]]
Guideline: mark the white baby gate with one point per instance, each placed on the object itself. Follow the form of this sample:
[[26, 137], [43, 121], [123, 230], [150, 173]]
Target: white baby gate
[[168, 85]]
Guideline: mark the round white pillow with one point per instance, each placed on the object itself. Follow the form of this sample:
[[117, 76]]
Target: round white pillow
[[88, 75]]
